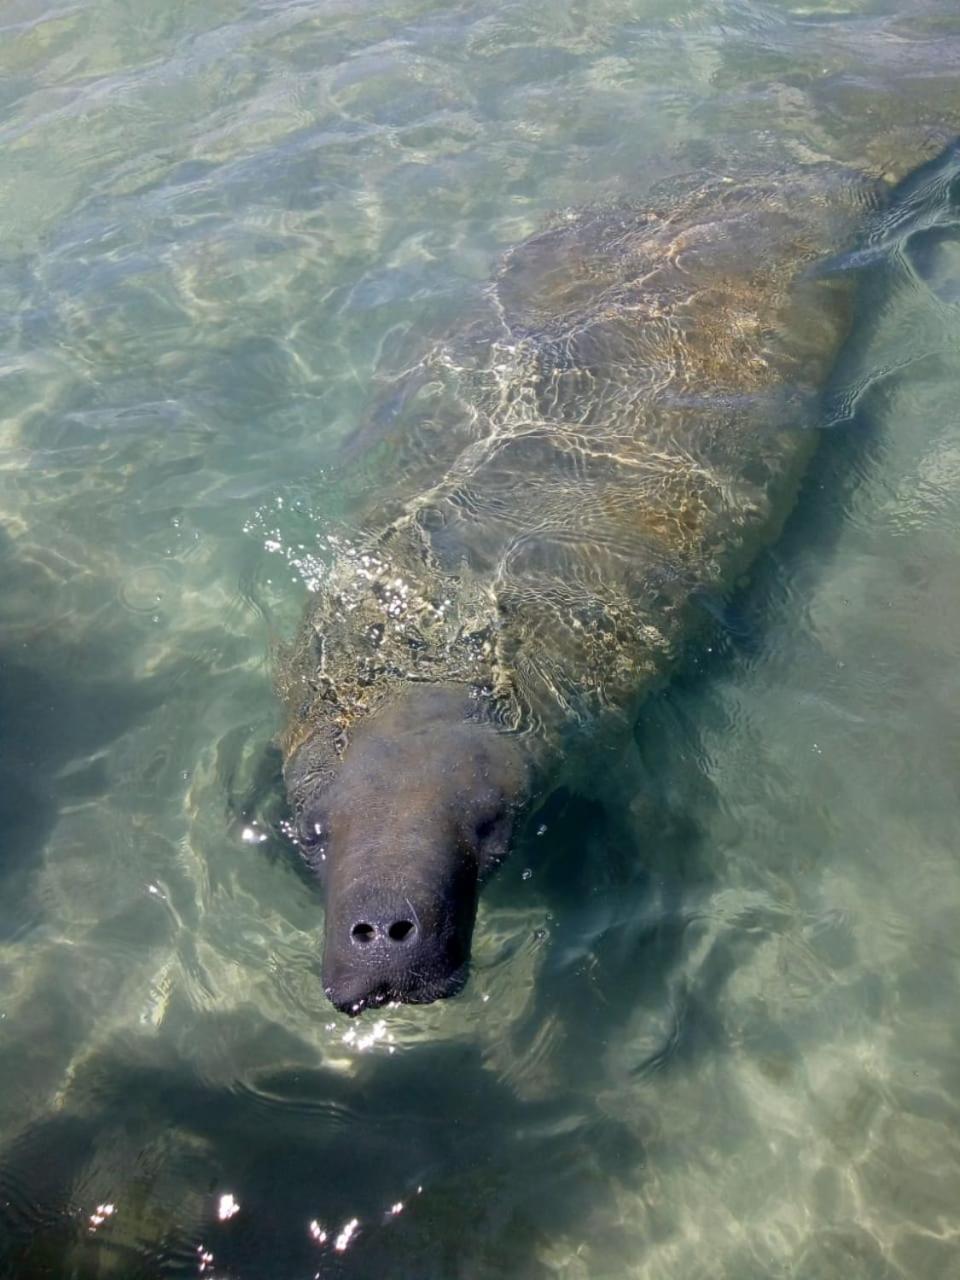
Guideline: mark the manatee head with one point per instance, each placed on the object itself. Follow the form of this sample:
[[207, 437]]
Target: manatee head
[[402, 831]]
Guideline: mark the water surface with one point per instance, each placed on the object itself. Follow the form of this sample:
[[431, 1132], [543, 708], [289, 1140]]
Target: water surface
[[712, 1026]]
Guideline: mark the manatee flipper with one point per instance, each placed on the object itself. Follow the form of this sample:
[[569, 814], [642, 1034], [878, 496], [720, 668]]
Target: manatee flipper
[[252, 779]]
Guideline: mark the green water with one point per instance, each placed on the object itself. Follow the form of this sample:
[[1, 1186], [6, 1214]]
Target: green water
[[712, 1027]]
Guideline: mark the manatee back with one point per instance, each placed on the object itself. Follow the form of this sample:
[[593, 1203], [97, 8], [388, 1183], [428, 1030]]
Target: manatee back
[[622, 427]]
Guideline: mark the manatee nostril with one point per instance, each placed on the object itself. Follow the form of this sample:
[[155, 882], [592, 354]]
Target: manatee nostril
[[362, 932], [400, 930]]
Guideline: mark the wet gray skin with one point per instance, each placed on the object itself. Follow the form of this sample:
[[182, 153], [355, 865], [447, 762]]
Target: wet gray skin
[[419, 813], [605, 446]]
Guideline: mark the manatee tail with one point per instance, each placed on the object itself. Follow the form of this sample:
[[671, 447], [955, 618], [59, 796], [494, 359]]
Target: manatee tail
[[926, 200], [915, 234]]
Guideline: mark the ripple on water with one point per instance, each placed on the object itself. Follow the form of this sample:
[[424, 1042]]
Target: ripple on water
[[145, 590]]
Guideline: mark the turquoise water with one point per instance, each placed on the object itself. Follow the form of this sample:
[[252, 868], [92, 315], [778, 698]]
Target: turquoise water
[[711, 1029]]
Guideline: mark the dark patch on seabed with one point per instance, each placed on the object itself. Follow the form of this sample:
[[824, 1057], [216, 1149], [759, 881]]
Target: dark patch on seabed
[[54, 725], [178, 1138]]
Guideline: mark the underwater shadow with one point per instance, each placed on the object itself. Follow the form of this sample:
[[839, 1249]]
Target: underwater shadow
[[57, 714], [443, 1173]]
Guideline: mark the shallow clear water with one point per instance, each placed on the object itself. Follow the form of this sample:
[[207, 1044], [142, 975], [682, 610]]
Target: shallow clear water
[[712, 1025]]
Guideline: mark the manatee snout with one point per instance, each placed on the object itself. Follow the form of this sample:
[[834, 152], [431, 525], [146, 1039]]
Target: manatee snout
[[416, 815], [388, 939]]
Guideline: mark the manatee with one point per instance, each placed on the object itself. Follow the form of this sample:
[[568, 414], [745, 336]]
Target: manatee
[[609, 438]]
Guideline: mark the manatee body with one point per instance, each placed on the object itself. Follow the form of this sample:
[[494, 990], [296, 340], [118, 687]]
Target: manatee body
[[618, 431]]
